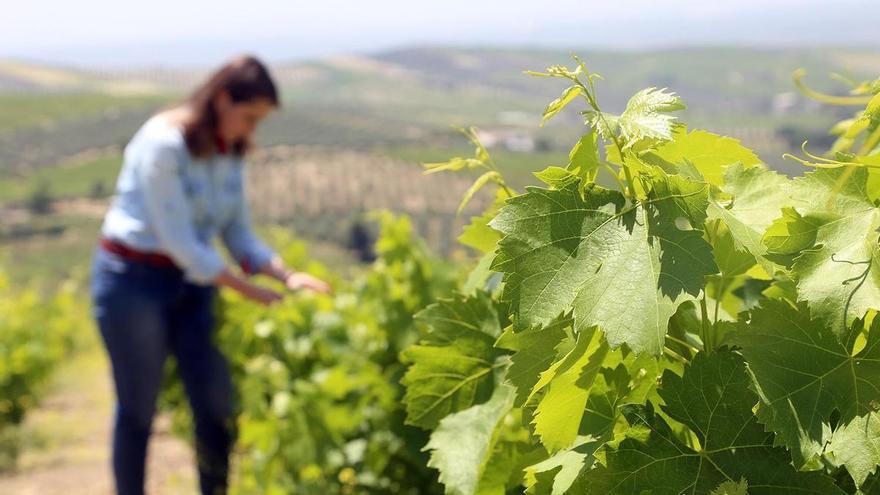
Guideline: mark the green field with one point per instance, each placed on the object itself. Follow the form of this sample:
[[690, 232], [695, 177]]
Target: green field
[[22, 110], [89, 178]]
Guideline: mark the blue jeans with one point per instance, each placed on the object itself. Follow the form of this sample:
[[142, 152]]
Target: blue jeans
[[144, 313]]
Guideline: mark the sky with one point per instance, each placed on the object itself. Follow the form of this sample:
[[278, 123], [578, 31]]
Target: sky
[[181, 32]]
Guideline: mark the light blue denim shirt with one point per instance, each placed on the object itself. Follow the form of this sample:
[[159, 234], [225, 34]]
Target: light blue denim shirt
[[170, 202]]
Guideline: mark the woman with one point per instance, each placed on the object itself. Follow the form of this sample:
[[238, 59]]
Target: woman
[[156, 273]]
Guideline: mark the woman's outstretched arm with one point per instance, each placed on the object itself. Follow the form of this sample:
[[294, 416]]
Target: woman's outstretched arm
[[293, 280], [255, 256]]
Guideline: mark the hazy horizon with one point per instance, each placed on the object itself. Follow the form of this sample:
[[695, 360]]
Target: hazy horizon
[[101, 33]]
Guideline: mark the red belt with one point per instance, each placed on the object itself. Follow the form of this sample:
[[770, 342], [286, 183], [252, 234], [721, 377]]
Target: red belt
[[156, 259]]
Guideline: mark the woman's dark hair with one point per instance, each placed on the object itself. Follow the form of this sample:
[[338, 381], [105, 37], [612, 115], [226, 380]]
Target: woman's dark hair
[[245, 79]]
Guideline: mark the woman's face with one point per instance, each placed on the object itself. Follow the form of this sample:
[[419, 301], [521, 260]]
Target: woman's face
[[238, 121]]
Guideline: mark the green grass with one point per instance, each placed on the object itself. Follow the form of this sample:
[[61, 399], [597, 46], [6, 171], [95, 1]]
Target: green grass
[[65, 181], [22, 110]]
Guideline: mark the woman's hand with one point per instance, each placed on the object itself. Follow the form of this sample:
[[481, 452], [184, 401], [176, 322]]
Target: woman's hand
[[254, 292], [301, 280], [262, 295], [291, 279]]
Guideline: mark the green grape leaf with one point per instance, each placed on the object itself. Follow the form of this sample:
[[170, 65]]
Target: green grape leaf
[[871, 486], [558, 104], [560, 411], [478, 234], [591, 253], [709, 153], [740, 487], [478, 184], [872, 186], [758, 196], [463, 442], [504, 469], [461, 316], [555, 475], [713, 400], [452, 368], [611, 387], [803, 374], [676, 197], [605, 124], [732, 262], [728, 290], [839, 276], [454, 164], [583, 159], [556, 177], [856, 446], [646, 117], [535, 352], [792, 233], [686, 258]]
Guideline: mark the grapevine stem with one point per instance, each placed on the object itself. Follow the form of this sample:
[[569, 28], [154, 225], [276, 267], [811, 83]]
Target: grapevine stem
[[830, 99], [490, 164], [681, 342], [870, 142], [675, 355], [591, 99], [506, 189], [615, 176], [705, 323], [718, 295], [629, 180]]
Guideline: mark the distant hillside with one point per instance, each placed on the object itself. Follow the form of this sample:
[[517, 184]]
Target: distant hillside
[[29, 77], [411, 96], [734, 82], [744, 92]]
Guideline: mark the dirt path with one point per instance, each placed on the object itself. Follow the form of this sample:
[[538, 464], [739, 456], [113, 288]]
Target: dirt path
[[68, 440]]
